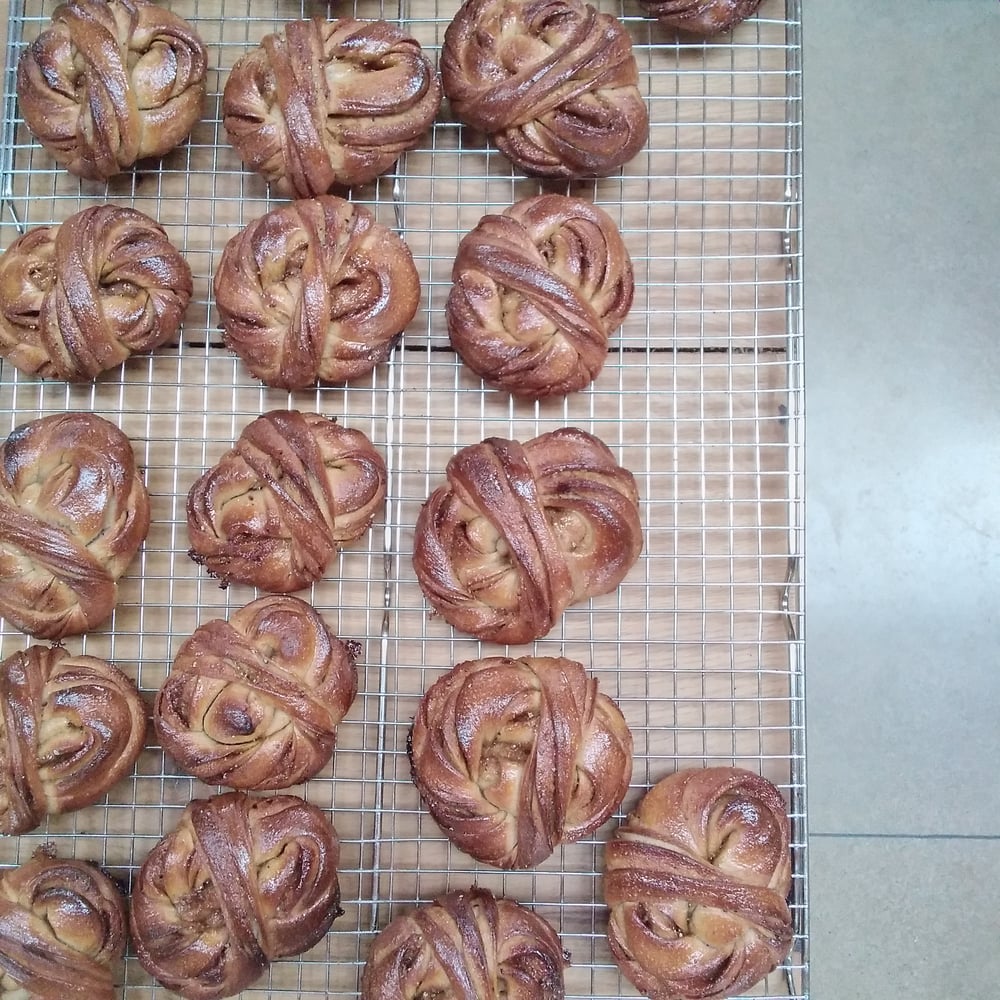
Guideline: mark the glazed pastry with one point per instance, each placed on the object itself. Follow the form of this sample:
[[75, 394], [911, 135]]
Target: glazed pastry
[[70, 728], [515, 757], [537, 292], [696, 879], [239, 883], [315, 290], [63, 931], [465, 944], [553, 83], [327, 103], [111, 82], [73, 512], [520, 532], [700, 17], [277, 507], [254, 702], [80, 298]]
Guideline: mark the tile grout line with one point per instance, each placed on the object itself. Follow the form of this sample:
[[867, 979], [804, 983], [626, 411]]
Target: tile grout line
[[816, 835]]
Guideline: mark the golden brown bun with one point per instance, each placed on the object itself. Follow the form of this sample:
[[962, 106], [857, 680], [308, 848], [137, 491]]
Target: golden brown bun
[[700, 17], [327, 103], [553, 83], [73, 512], [80, 298], [537, 292], [520, 532], [254, 702], [63, 931], [515, 757], [696, 879], [279, 505], [315, 290], [239, 883], [70, 728], [492, 947], [111, 82]]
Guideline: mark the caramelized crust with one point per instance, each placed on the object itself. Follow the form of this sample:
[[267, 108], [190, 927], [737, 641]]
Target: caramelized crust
[[327, 103], [239, 883], [82, 297], [63, 931], [315, 290], [520, 532], [537, 293], [111, 82], [465, 944], [276, 508], [700, 17], [553, 83], [70, 728], [515, 757], [73, 512], [696, 879], [254, 702]]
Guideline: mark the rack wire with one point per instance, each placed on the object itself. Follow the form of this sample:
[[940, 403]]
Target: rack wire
[[701, 398]]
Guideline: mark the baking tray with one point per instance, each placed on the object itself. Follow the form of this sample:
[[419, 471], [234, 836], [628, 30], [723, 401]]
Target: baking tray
[[701, 398]]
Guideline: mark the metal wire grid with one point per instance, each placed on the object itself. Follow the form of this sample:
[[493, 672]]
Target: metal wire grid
[[701, 398]]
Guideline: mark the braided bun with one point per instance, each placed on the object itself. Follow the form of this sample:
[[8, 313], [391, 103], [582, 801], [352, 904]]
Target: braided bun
[[237, 884], [73, 512], [315, 290], [522, 531], [553, 83], [276, 508], [700, 17], [515, 757], [696, 879], [537, 292], [254, 702], [80, 298], [325, 103], [468, 944], [63, 931], [111, 82]]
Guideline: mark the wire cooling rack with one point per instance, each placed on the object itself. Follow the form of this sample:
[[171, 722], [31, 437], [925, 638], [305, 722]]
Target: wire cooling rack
[[701, 398]]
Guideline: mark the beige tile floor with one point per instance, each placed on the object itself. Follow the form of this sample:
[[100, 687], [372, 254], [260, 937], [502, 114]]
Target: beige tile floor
[[902, 202]]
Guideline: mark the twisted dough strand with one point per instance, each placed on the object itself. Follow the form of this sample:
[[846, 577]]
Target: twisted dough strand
[[554, 83], [537, 292], [520, 532], [278, 506], [239, 883], [63, 928], [73, 512], [327, 103], [315, 290], [254, 702], [468, 945], [515, 757], [70, 728], [696, 879], [111, 82], [80, 298]]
